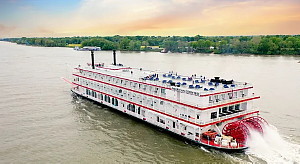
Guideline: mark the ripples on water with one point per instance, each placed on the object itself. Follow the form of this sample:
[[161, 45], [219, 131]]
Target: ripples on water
[[41, 122], [123, 138]]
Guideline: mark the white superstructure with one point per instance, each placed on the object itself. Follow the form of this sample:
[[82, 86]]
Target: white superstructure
[[194, 106]]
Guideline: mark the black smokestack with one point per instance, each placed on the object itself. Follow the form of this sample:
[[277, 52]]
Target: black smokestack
[[114, 55], [93, 62]]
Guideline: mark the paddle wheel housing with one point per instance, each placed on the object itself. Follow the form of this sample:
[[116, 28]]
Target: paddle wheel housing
[[240, 129]]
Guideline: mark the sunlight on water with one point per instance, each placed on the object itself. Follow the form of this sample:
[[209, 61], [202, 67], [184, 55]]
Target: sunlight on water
[[272, 148]]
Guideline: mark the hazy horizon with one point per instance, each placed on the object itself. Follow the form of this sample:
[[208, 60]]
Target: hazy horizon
[[33, 18]]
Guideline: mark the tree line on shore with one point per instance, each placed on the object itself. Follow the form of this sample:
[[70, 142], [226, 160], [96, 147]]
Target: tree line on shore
[[267, 45]]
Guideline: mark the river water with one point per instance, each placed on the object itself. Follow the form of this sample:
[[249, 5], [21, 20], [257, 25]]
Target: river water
[[41, 122]]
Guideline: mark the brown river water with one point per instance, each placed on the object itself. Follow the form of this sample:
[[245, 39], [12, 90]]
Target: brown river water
[[41, 122]]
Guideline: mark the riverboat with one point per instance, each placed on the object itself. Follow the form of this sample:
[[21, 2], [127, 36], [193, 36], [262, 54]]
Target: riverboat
[[87, 48], [213, 112]]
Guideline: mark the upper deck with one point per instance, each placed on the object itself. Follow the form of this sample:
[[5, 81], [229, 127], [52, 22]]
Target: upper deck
[[197, 85]]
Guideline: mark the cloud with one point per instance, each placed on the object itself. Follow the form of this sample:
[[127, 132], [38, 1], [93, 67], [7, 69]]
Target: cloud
[[4, 30], [161, 17]]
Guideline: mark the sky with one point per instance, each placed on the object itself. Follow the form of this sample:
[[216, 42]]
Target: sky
[[62, 18]]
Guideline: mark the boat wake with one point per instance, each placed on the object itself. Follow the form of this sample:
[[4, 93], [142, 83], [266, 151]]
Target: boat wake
[[271, 147]]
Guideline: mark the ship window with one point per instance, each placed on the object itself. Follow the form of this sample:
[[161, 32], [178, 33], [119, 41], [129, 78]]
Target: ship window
[[108, 99], [224, 110], [131, 107], [120, 91], [198, 116], [217, 98], [230, 108], [230, 95], [213, 115], [210, 99], [139, 110], [157, 119], [237, 107], [161, 102], [242, 93], [173, 124], [220, 112], [116, 102], [235, 94], [223, 96], [101, 96]]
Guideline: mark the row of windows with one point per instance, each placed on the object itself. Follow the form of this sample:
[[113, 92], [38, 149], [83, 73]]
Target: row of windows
[[149, 102], [106, 98], [126, 83], [91, 93], [132, 108], [120, 92], [227, 110], [226, 96]]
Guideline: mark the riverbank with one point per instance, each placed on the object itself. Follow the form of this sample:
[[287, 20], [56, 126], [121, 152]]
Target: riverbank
[[259, 45]]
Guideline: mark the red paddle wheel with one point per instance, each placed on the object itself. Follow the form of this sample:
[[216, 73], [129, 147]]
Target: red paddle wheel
[[240, 129]]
